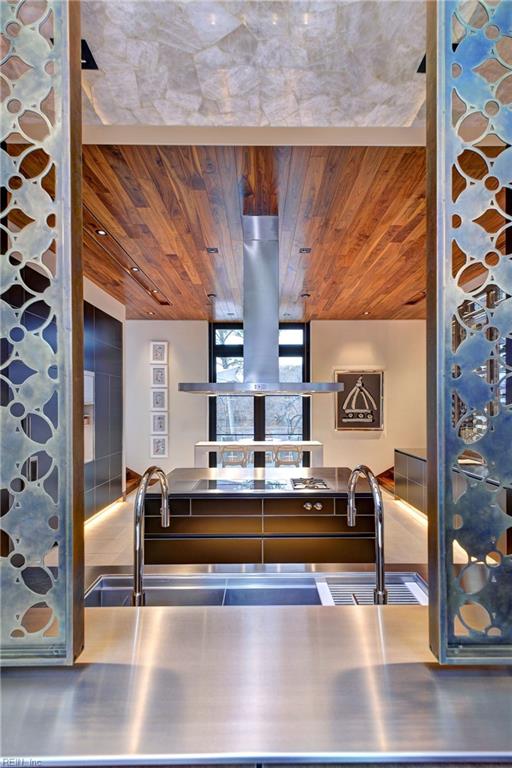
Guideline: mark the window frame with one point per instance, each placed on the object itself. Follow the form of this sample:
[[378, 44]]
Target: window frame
[[237, 350]]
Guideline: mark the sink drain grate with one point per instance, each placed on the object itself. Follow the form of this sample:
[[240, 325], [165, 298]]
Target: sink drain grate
[[406, 593]]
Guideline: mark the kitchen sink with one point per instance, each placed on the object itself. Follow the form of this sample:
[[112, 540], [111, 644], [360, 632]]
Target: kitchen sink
[[404, 588]]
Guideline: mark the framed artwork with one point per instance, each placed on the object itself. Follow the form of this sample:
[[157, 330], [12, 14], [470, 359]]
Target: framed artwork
[[158, 423], [158, 375], [361, 404], [158, 400], [158, 447], [158, 352]]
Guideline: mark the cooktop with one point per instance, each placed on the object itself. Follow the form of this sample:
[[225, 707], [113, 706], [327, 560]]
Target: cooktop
[[309, 484]]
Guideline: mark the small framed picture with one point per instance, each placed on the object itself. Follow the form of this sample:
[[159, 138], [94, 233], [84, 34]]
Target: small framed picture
[[158, 423], [158, 375], [158, 401], [158, 447], [158, 352]]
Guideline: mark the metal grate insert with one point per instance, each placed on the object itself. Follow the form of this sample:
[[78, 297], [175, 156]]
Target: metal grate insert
[[405, 593]]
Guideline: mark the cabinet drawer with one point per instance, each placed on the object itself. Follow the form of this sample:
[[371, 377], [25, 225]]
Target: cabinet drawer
[[202, 551], [309, 524], [296, 506], [416, 495], [226, 507], [207, 526], [176, 507], [364, 505], [416, 470], [400, 486], [319, 551], [401, 463]]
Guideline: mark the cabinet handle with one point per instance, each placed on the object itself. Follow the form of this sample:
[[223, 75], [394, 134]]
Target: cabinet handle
[[308, 506], [319, 506]]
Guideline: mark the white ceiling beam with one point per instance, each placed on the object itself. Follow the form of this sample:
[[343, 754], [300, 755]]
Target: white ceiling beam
[[412, 136]]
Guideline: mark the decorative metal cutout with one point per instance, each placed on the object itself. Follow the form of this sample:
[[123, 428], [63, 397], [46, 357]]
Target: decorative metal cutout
[[474, 183], [35, 372]]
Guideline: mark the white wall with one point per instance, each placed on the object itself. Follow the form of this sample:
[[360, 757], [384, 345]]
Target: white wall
[[188, 414], [104, 301], [398, 347]]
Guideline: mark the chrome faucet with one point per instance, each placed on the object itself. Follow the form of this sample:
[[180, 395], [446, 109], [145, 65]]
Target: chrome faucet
[[138, 596], [380, 593]]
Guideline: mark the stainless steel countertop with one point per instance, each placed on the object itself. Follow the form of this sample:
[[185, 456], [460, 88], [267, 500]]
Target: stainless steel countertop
[[185, 685], [264, 481]]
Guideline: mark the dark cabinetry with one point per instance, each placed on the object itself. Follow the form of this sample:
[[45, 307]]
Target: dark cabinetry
[[411, 479], [260, 530], [103, 356]]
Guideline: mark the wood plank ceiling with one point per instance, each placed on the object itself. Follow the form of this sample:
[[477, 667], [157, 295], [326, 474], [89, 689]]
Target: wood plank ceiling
[[360, 211]]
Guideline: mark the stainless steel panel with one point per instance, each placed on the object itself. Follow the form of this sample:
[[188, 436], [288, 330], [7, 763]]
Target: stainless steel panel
[[262, 388], [261, 299], [416, 470], [400, 463], [185, 685], [470, 327]]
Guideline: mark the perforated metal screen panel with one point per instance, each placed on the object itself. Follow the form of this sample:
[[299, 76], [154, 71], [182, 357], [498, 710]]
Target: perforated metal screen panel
[[37, 441], [472, 565]]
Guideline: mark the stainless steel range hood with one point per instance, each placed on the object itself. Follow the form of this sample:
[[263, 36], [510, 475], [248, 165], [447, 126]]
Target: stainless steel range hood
[[261, 321]]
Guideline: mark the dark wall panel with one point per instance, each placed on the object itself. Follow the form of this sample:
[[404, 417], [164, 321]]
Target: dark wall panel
[[103, 355]]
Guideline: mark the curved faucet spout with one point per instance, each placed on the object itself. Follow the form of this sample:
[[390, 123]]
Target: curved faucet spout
[[138, 596], [380, 594]]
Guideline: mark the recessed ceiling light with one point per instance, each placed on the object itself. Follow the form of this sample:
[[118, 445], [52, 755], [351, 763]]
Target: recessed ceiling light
[[304, 250], [134, 269], [212, 250], [101, 232], [151, 313], [211, 296], [366, 313], [154, 290], [305, 295]]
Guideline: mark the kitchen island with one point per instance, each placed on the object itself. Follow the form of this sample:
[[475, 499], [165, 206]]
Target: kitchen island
[[265, 515]]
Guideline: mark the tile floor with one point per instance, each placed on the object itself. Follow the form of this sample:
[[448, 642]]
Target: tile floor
[[109, 538]]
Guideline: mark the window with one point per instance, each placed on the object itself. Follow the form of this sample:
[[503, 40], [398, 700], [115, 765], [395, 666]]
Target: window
[[276, 417]]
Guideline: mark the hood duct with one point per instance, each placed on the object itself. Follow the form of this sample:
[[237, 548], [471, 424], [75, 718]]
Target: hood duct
[[261, 321]]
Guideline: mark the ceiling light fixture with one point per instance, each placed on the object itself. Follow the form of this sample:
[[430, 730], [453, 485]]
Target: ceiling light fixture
[[305, 295], [151, 313], [154, 290], [304, 250], [366, 313], [211, 296], [134, 269], [212, 250], [101, 232]]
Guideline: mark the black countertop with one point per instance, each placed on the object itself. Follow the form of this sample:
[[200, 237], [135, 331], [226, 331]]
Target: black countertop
[[268, 481]]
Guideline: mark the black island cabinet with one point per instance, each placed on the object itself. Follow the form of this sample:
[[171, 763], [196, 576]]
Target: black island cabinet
[[253, 516]]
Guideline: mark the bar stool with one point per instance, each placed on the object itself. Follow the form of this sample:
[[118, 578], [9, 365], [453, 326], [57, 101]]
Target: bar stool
[[234, 457], [285, 456]]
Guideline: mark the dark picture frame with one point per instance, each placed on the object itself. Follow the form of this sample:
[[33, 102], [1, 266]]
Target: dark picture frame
[[360, 407]]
